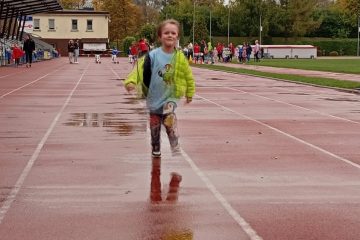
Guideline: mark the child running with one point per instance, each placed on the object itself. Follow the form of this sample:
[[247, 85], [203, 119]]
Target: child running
[[164, 76]]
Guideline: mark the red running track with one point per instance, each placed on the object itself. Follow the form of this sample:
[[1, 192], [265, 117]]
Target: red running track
[[260, 159]]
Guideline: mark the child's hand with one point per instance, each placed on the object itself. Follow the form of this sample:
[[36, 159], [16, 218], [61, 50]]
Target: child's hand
[[130, 87], [188, 99]]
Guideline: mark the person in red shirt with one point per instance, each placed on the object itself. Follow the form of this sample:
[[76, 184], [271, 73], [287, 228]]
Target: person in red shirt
[[143, 47], [134, 50], [232, 51], [17, 54], [219, 49], [196, 52]]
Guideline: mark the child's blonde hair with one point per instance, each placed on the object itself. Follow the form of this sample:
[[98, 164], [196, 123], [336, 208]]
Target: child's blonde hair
[[168, 21]]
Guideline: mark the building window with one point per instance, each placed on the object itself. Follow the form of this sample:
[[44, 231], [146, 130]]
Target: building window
[[36, 24], [89, 25], [74, 25], [51, 24]]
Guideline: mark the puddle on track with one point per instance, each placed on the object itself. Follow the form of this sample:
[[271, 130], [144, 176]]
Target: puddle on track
[[341, 99], [293, 93], [117, 123]]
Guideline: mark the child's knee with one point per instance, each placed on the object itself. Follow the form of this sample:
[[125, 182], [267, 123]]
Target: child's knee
[[169, 107], [169, 120]]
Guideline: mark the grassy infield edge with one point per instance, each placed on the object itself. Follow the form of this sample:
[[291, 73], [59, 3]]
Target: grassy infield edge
[[343, 85]]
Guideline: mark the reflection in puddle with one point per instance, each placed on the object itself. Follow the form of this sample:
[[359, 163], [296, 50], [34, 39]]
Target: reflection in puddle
[[155, 186], [341, 99], [294, 93], [168, 224], [112, 122]]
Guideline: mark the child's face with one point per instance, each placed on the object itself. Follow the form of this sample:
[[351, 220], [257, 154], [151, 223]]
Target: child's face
[[169, 35]]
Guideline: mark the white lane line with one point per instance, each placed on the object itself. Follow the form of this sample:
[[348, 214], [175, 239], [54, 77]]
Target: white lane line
[[15, 190], [8, 93], [8, 75], [284, 133], [232, 212], [294, 105], [279, 101]]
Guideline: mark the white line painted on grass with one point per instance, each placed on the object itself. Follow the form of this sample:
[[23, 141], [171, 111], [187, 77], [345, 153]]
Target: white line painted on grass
[[15, 190], [233, 213], [8, 93], [284, 133]]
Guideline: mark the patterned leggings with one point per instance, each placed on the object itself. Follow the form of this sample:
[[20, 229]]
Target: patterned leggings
[[168, 119]]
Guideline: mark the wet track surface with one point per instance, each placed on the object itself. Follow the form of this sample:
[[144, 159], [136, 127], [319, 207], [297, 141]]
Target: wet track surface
[[260, 159], [301, 72]]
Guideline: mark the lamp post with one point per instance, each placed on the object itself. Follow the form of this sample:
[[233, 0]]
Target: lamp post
[[228, 35], [210, 25], [260, 22], [260, 30], [358, 45], [193, 42]]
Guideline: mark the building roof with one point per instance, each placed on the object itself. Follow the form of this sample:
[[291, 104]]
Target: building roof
[[77, 12], [88, 5], [288, 46], [27, 7]]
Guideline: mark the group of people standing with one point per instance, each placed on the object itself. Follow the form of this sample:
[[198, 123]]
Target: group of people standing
[[200, 53], [206, 53], [139, 49], [17, 53], [73, 50], [244, 52]]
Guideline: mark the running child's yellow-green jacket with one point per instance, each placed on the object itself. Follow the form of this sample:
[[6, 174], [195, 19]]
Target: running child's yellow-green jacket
[[183, 78]]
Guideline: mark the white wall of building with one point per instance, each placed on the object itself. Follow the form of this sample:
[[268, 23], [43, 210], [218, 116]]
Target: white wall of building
[[63, 26], [290, 51]]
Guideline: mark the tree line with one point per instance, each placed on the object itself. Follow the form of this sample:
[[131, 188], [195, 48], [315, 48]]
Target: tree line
[[279, 18]]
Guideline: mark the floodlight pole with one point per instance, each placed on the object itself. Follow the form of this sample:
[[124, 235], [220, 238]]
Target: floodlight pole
[[260, 30], [210, 25], [194, 26], [358, 45], [228, 36]]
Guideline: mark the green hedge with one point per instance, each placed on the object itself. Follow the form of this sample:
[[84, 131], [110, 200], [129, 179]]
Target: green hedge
[[346, 47]]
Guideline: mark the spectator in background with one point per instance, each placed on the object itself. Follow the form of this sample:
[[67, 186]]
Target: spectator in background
[[257, 51], [232, 51], [203, 51], [29, 47], [134, 50], [196, 53], [190, 48], [248, 51], [76, 50], [71, 49], [8, 54], [17, 54], [219, 49], [143, 47], [210, 53]]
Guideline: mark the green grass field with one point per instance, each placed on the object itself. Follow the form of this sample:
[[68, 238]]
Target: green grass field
[[329, 65], [294, 78]]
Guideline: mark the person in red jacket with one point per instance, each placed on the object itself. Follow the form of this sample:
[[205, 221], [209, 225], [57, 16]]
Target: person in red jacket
[[17, 54], [143, 47], [196, 52], [219, 49], [134, 51]]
